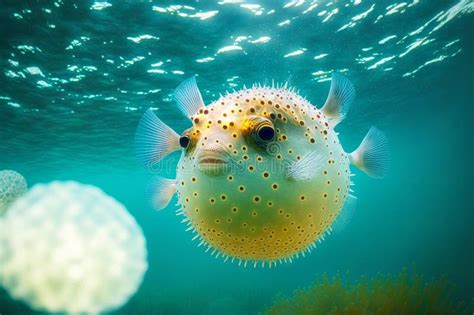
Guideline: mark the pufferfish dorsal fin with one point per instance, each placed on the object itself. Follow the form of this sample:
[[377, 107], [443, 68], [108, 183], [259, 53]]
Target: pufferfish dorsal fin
[[188, 97], [306, 167], [372, 156], [161, 191], [340, 97], [154, 139]]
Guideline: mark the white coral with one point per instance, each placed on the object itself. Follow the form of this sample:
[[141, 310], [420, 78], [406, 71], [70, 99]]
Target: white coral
[[12, 186], [68, 247]]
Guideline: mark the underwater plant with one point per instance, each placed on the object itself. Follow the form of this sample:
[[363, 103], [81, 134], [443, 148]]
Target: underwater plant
[[405, 293]]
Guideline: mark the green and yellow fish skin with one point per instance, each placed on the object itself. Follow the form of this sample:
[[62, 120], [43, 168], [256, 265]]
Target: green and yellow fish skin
[[251, 208]]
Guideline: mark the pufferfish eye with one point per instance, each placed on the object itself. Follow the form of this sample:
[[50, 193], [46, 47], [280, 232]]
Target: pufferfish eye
[[184, 141], [263, 134], [259, 129], [266, 133]]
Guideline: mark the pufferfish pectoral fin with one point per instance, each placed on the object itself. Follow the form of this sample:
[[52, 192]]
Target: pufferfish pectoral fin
[[188, 97], [340, 97], [372, 156], [345, 215], [154, 139], [161, 191], [306, 167]]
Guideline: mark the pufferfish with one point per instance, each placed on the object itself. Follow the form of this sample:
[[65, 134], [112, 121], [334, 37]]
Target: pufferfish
[[262, 175]]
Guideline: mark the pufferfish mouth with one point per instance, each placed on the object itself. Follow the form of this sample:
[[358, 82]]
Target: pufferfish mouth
[[212, 163], [212, 160]]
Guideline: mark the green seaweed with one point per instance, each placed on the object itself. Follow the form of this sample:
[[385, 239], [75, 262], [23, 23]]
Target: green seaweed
[[406, 293]]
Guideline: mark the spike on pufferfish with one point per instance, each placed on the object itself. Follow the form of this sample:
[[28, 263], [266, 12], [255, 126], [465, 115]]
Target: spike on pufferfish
[[262, 176]]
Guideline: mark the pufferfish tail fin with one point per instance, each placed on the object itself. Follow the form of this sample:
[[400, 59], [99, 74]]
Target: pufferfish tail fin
[[372, 155], [154, 139], [160, 192], [341, 95]]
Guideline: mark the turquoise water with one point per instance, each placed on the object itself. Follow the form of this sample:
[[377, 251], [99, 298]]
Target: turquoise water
[[76, 78]]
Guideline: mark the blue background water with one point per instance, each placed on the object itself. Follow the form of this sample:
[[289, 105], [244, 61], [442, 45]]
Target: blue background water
[[76, 77]]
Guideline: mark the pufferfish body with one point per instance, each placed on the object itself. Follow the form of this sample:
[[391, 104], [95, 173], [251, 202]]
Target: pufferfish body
[[262, 175]]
